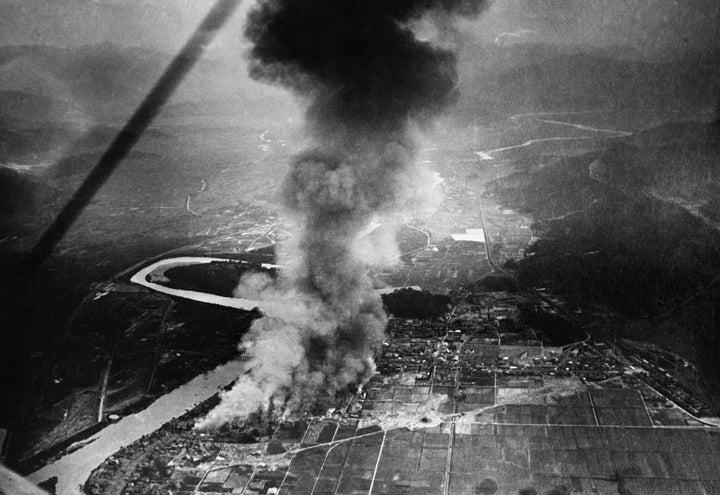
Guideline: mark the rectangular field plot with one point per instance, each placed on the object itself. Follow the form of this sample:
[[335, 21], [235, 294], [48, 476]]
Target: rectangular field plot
[[304, 470], [346, 430], [599, 462], [641, 464], [506, 457], [469, 457], [622, 416], [667, 487], [562, 438], [475, 398], [577, 399], [410, 483], [433, 459], [327, 433], [412, 462], [661, 440], [701, 441], [264, 480], [401, 451], [486, 481], [668, 417], [350, 485], [529, 414], [332, 470], [616, 398], [558, 415], [238, 477], [571, 463], [482, 396], [405, 394], [318, 432], [588, 437], [519, 381], [290, 432], [480, 379], [380, 395], [363, 455]]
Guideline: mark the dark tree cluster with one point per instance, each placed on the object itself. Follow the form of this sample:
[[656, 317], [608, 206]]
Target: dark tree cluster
[[21, 193], [554, 329], [218, 277], [410, 303]]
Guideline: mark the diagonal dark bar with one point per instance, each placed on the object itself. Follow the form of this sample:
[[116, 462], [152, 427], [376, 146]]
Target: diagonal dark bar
[[129, 135]]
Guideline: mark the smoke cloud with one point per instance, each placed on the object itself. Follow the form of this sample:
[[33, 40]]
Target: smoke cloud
[[368, 82]]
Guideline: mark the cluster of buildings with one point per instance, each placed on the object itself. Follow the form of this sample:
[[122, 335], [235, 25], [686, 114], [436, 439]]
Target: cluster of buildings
[[178, 459], [479, 362]]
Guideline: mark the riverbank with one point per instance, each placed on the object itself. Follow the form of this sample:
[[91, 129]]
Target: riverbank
[[73, 469]]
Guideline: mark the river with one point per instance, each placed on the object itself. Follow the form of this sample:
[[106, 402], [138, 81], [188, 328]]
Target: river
[[268, 307], [74, 469]]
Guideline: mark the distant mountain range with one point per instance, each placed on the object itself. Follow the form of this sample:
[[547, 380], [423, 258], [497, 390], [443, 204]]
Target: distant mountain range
[[94, 81], [77, 22], [78, 97], [50, 84], [30, 108], [80, 90], [537, 77]]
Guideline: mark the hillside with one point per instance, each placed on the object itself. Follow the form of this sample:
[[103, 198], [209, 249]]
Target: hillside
[[631, 230], [536, 79], [35, 108], [30, 74], [100, 80], [677, 162], [20, 193]]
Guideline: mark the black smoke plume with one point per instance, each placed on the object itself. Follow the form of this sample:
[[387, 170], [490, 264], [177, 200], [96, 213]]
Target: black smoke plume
[[358, 61], [367, 80]]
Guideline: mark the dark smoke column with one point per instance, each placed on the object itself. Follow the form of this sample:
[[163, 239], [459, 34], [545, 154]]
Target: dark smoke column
[[357, 61], [366, 79]]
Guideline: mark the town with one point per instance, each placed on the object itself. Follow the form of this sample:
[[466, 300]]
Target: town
[[473, 382]]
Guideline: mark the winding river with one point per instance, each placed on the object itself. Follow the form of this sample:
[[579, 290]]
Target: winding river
[[270, 308]]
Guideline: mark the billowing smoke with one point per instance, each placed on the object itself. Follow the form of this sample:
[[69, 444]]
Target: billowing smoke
[[368, 82]]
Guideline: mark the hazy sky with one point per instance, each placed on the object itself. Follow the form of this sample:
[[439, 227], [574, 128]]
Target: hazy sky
[[654, 27], [159, 24]]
